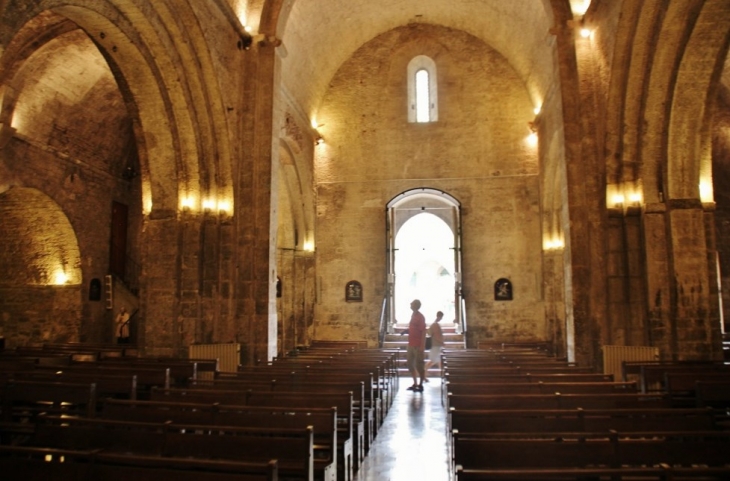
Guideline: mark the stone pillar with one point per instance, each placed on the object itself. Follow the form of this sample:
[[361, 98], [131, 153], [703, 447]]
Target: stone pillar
[[159, 330], [554, 278], [683, 319], [255, 277]]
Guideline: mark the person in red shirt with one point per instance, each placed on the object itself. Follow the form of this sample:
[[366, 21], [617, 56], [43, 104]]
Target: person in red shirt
[[416, 346]]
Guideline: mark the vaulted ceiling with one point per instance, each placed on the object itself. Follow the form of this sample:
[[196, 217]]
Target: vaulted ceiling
[[318, 36]]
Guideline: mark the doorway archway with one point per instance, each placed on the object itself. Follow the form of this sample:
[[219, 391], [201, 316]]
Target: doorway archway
[[423, 227]]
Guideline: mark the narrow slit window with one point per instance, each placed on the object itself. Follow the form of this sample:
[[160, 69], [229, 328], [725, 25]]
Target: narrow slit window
[[423, 99], [422, 91]]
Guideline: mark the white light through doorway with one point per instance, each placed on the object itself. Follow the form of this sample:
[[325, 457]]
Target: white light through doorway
[[424, 268]]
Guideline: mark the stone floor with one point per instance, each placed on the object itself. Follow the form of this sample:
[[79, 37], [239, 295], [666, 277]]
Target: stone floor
[[412, 443]]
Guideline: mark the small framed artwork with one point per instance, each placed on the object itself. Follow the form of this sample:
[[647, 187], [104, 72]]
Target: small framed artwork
[[353, 292], [503, 290]]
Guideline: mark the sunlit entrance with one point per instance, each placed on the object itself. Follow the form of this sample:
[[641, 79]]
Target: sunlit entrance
[[424, 267], [424, 257]]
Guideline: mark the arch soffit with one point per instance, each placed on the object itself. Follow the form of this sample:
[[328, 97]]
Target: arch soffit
[[502, 25], [301, 199], [167, 123], [631, 62], [424, 199], [689, 151], [53, 247], [659, 104]]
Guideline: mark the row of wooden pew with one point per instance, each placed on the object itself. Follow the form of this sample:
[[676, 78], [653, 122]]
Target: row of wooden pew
[[307, 417], [518, 413]]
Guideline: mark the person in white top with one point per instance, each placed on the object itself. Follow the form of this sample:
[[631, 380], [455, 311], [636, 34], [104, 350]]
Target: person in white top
[[437, 342]]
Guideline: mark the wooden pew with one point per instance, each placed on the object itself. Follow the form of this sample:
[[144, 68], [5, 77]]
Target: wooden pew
[[293, 448], [558, 401], [322, 420], [713, 394], [682, 386], [531, 377], [42, 464], [147, 376], [581, 420], [27, 399], [344, 404], [660, 473], [107, 385], [308, 385], [461, 387], [572, 450], [651, 374]]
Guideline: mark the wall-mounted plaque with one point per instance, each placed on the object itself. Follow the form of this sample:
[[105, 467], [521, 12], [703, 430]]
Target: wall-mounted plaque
[[353, 292], [503, 290]]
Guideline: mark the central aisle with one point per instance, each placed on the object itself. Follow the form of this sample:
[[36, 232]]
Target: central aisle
[[411, 443]]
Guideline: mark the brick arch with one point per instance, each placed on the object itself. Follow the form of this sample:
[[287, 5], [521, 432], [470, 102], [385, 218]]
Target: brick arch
[[180, 126], [680, 86], [36, 243], [689, 151], [38, 240]]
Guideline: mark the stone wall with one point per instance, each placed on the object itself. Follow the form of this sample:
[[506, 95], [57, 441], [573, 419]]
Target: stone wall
[[477, 152]]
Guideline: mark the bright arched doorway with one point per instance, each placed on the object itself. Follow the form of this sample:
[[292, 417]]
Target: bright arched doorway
[[424, 257]]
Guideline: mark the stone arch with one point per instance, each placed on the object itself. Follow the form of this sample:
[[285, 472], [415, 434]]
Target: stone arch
[[295, 178], [179, 126], [678, 90], [42, 268], [689, 150], [38, 259]]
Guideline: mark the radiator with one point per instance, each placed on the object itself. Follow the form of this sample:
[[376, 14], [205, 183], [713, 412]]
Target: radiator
[[613, 356], [227, 355]]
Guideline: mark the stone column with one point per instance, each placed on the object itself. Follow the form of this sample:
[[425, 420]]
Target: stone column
[[255, 279], [159, 330], [683, 320]]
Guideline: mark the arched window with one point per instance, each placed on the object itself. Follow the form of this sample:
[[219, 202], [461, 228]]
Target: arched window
[[422, 92]]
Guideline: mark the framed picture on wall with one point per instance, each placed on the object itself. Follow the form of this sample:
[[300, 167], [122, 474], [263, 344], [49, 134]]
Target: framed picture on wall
[[503, 290], [353, 292]]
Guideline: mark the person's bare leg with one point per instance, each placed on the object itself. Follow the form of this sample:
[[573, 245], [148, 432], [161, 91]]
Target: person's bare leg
[[425, 370]]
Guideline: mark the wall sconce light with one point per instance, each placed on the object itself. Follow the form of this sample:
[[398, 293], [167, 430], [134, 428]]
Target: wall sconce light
[[60, 277], [224, 206], [586, 32], [208, 205], [186, 203], [618, 201], [308, 246], [554, 244]]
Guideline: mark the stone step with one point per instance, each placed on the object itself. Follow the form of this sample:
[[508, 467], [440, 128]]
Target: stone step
[[403, 344], [448, 338]]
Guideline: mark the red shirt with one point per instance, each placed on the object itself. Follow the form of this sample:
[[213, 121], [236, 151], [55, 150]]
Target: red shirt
[[416, 329]]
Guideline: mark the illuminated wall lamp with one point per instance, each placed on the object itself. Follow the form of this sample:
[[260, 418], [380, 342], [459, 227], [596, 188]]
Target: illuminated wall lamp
[[224, 207], [208, 205], [186, 203], [617, 201], [60, 278]]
